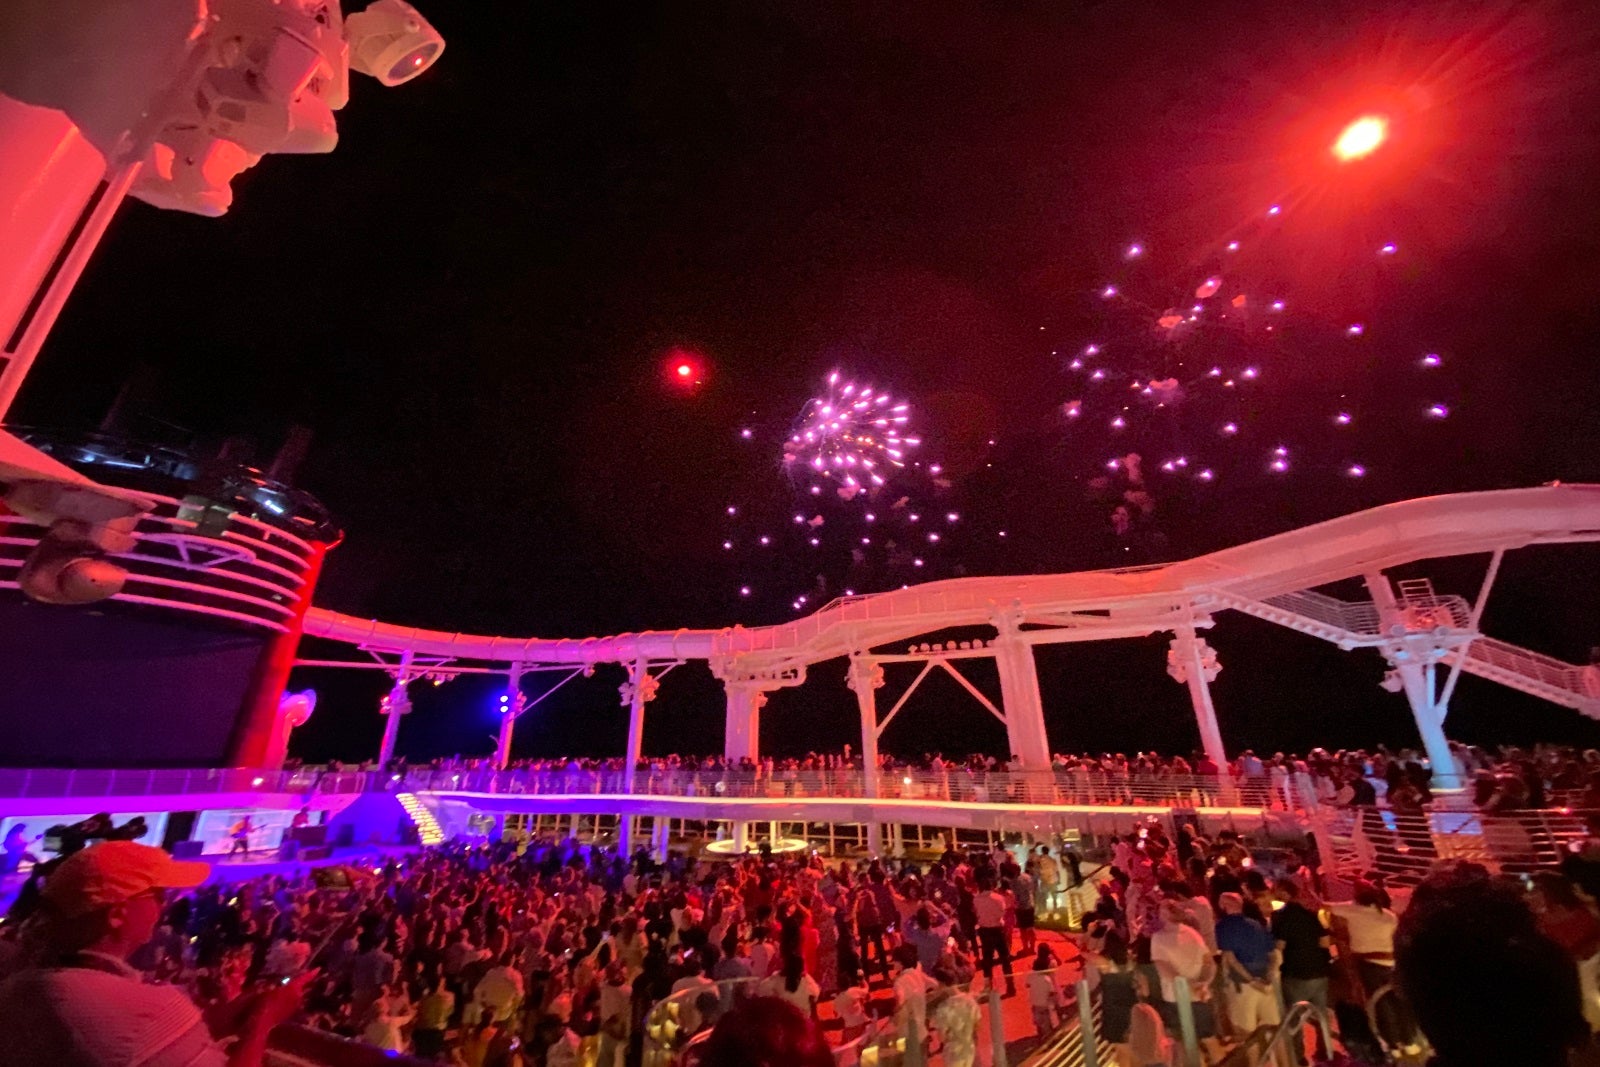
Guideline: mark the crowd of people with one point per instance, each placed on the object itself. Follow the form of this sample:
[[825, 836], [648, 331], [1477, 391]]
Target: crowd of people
[[1510, 779], [1488, 968], [554, 953], [561, 954]]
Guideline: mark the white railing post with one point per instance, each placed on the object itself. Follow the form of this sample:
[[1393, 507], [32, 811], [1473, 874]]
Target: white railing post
[[1086, 1031], [997, 1029]]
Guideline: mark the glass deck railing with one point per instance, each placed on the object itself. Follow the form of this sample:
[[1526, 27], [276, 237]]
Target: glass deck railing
[[38, 783], [1054, 787]]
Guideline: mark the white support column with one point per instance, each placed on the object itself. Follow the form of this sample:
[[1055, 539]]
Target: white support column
[[1191, 661], [395, 704], [742, 736], [502, 741], [742, 732], [510, 711], [1019, 693], [1413, 675], [866, 678], [637, 691]]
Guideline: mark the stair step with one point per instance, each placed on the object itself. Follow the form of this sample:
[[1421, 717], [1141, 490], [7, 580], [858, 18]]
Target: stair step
[[429, 832]]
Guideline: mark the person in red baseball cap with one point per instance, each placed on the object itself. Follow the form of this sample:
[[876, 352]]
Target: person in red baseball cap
[[84, 1005]]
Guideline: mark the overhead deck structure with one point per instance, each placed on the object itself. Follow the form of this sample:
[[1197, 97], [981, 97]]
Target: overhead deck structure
[[1275, 579]]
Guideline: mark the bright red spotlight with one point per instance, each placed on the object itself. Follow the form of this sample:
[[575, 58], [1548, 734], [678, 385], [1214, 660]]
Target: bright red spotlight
[[684, 369], [1361, 138]]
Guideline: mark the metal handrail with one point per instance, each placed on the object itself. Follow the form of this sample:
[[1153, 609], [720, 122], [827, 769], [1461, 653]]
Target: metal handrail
[[1405, 846], [1049, 788], [1293, 1026], [1518, 660], [664, 1041], [1077, 1042], [664, 1034]]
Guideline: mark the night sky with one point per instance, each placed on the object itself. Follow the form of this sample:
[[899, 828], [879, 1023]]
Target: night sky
[[469, 302]]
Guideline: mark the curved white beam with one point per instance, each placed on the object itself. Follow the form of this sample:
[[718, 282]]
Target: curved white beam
[[1346, 547]]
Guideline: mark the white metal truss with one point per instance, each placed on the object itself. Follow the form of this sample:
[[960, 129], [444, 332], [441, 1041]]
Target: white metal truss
[[1274, 579], [1448, 627], [929, 663]]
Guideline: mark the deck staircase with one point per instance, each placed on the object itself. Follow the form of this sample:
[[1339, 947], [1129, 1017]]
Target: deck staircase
[[1064, 1048], [1448, 619], [429, 831]]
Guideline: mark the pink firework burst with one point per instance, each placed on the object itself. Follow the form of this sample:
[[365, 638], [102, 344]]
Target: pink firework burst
[[850, 433]]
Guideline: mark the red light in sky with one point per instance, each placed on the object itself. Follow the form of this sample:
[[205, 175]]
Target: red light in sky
[[684, 369], [1361, 138]]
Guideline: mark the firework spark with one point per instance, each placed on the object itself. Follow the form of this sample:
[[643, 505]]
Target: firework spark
[[1190, 369], [851, 434]]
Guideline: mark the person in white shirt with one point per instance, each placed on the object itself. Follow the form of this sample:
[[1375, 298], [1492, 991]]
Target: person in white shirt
[[1371, 927], [459, 953], [616, 1013], [1178, 951], [565, 1051], [762, 953], [690, 986], [499, 991], [1044, 992], [956, 1019], [385, 1020], [990, 908], [796, 986], [1371, 924], [850, 1005], [911, 988], [287, 957]]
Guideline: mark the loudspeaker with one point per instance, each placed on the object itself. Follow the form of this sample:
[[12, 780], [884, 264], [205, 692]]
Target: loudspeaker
[[316, 852]]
